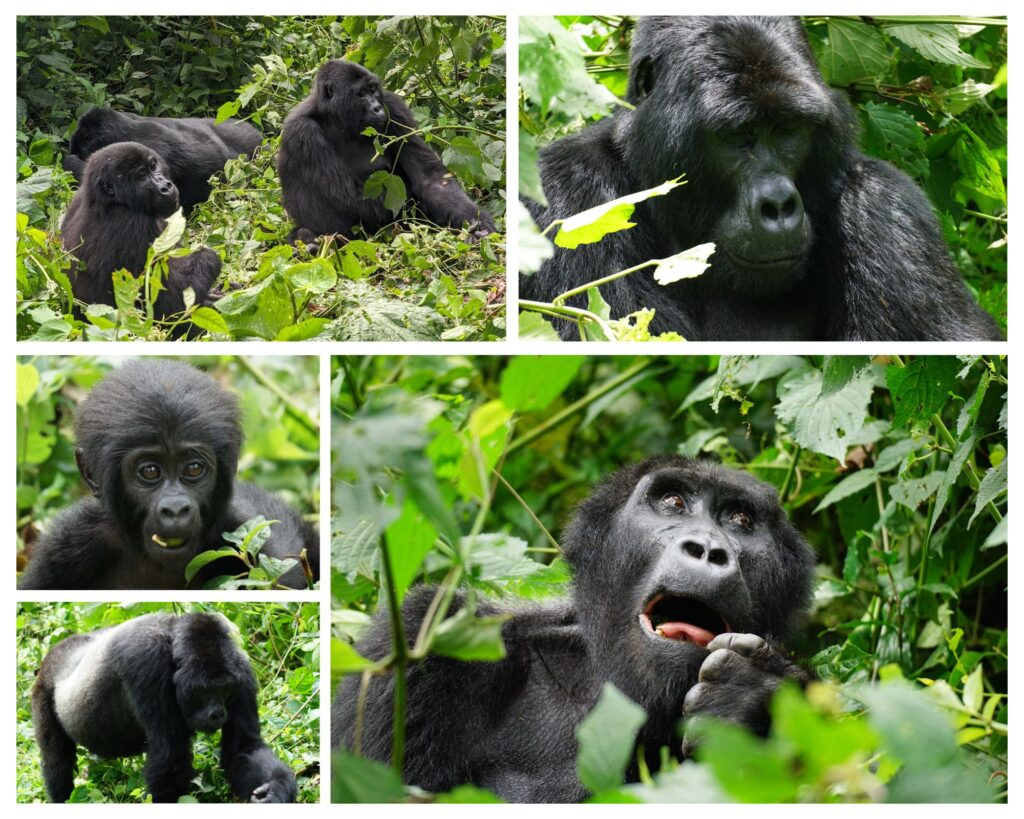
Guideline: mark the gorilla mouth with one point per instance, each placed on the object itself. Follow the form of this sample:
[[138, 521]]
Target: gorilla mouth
[[764, 264], [682, 618], [168, 542]]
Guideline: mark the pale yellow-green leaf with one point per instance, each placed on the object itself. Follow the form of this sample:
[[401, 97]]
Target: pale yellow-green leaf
[[595, 223], [973, 690], [686, 265], [173, 232], [27, 383]]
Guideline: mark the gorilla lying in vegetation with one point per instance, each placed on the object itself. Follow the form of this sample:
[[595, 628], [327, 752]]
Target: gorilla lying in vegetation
[[813, 239], [325, 160], [147, 686], [194, 149], [685, 575], [158, 445], [112, 221]]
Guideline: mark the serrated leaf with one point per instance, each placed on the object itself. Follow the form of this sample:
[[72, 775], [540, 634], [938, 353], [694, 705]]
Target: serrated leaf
[[938, 42], [172, 233], [595, 223], [992, 486], [824, 424], [606, 739]]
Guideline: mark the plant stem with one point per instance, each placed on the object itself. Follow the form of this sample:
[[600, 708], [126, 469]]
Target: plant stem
[[401, 660]]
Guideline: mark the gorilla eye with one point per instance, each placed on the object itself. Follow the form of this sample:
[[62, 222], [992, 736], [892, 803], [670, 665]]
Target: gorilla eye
[[194, 469], [149, 472], [673, 501], [742, 519]]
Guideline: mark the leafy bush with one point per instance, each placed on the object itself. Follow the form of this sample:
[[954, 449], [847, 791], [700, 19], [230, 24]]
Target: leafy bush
[[460, 470], [931, 95], [283, 645], [279, 398], [410, 281]]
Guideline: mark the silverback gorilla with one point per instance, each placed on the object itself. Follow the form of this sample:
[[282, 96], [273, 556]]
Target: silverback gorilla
[[194, 149], [814, 239], [117, 213], [147, 686], [685, 574], [325, 160], [158, 445]]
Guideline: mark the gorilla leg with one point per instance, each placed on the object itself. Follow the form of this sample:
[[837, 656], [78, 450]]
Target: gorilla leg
[[57, 749]]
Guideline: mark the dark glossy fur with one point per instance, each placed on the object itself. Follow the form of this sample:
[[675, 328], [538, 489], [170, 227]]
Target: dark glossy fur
[[144, 687], [877, 267], [325, 161], [194, 149], [112, 221], [510, 725], [96, 543]]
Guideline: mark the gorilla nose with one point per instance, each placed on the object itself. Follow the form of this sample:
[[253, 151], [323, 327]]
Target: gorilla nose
[[176, 510], [217, 716], [778, 208], [713, 555]]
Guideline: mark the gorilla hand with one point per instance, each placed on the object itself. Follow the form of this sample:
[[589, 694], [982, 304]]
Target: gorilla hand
[[736, 683], [275, 790]]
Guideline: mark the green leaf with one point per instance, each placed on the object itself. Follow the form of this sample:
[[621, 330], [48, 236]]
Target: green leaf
[[892, 134], [410, 538], [529, 173], [356, 779], [346, 660], [824, 424], [210, 320], [595, 223], [392, 186], [912, 492], [974, 690], [172, 233], [992, 486], [535, 327], [854, 52], [920, 389], [606, 739], [850, 485], [686, 265], [464, 636], [979, 166], [839, 370], [531, 383], [226, 111], [203, 558], [26, 383], [938, 42]]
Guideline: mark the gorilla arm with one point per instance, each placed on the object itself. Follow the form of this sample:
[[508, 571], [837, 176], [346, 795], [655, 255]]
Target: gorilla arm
[[253, 770], [75, 553], [437, 190]]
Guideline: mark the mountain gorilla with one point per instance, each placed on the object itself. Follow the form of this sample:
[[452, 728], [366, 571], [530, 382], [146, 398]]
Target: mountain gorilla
[[685, 573], [194, 149], [814, 240], [115, 216], [147, 686], [158, 445], [325, 160]]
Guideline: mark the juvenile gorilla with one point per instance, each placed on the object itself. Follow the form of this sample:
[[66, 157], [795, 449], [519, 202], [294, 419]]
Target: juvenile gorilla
[[325, 160], [194, 149], [115, 216], [147, 686], [158, 445], [814, 240], [685, 574]]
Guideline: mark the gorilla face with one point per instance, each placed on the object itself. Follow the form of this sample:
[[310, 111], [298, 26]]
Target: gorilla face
[[135, 178], [205, 707], [171, 486], [350, 95]]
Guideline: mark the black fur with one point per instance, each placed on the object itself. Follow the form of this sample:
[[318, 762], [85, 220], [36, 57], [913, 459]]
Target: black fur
[[510, 725], [113, 219], [172, 415], [147, 686], [325, 160], [194, 149], [814, 239]]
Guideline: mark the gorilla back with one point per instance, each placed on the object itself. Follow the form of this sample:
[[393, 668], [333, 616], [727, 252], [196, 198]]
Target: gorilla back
[[685, 574], [813, 239], [148, 685], [158, 445], [194, 149]]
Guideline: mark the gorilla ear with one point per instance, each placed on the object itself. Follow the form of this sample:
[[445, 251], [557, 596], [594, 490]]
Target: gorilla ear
[[83, 467], [643, 78], [106, 185], [328, 89]]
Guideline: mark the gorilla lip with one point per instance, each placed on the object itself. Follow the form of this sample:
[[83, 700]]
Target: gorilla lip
[[168, 543], [683, 619]]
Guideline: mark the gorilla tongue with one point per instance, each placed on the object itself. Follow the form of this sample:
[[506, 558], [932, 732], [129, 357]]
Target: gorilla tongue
[[687, 632]]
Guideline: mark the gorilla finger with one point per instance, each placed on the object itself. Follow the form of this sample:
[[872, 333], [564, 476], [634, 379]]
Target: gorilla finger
[[261, 793], [721, 665], [744, 644]]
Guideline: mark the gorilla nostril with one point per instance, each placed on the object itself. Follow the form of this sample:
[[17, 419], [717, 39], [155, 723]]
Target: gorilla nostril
[[769, 212], [693, 549], [718, 557]]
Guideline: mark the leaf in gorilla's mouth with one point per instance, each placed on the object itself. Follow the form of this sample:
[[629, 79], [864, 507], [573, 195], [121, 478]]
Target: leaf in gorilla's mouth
[[683, 619], [168, 543]]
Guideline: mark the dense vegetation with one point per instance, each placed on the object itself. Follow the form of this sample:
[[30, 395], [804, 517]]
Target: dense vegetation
[[459, 472], [283, 645], [931, 95], [279, 398], [409, 281]]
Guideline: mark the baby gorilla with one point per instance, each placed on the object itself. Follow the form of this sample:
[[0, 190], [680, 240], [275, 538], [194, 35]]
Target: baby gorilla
[[194, 148], [147, 686], [116, 215], [685, 574], [325, 160], [158, 445]]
